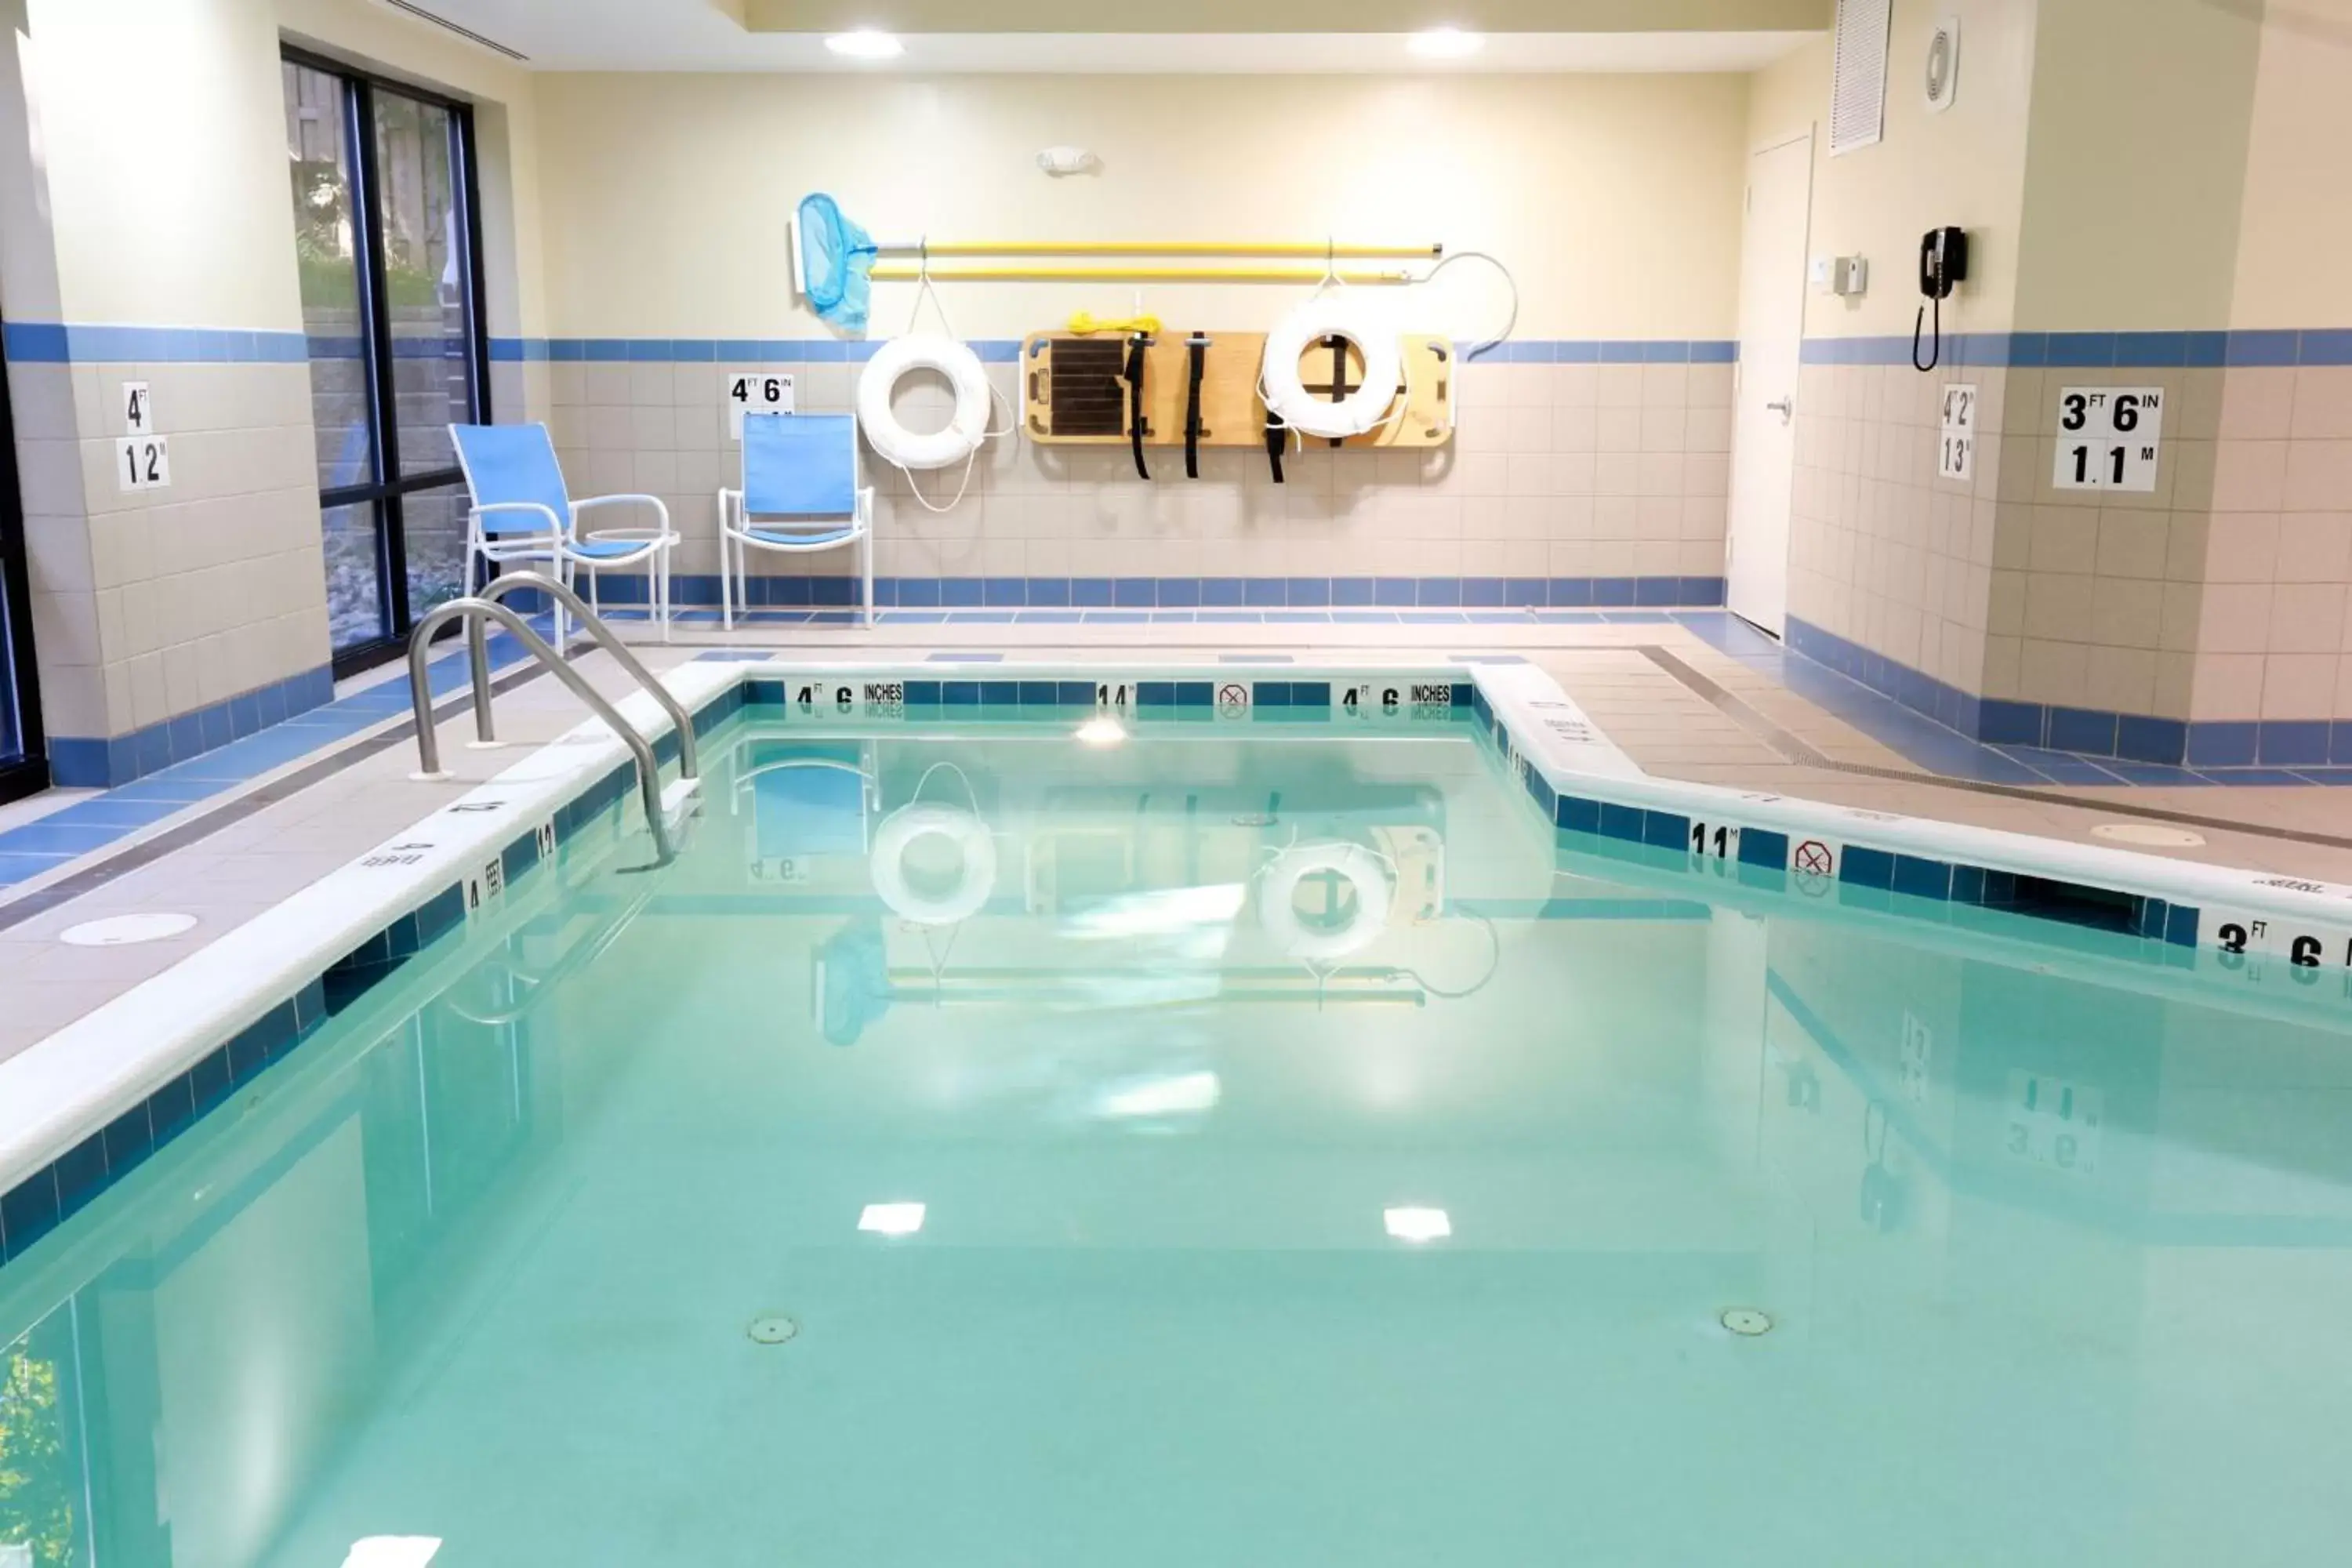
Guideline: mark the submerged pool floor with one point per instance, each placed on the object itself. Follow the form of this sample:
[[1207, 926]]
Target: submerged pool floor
[[1180, 1045]]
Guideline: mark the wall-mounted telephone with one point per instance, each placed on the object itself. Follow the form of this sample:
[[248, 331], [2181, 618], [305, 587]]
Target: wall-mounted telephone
[[1943, 264]]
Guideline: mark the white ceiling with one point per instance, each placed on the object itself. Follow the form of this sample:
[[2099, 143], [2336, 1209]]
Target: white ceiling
[[693, 35]]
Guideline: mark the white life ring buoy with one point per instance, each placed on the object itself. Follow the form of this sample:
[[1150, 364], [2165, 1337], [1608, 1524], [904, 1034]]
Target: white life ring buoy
[[886, 863], [1364, 872], [884, 431], [1363, 324]]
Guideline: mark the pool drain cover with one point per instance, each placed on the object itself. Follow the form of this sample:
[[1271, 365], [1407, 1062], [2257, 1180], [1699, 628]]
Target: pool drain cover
[[1747, 1322], [2151, 833], [120, 931], [771, 1329]]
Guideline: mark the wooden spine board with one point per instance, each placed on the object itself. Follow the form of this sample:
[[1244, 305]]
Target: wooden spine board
[[1232, 414]]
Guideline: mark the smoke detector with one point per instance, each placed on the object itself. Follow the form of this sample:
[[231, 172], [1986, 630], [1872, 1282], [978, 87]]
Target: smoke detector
[[1939, 76], [1061, 162]]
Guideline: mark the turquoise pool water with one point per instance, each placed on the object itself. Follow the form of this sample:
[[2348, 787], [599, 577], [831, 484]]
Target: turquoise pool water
[[2055, 1243]]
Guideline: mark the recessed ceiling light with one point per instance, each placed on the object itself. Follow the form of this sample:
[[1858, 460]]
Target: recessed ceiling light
[[1418, 1224], [891, 1219], [866, 44], [1101, 730], [392, 1551], [1444, 44]]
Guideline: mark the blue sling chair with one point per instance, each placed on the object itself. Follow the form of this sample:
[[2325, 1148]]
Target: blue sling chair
[[801, 494], [521, 512]]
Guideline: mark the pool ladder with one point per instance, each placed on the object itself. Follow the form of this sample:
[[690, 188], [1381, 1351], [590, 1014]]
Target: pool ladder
[[663, 807]]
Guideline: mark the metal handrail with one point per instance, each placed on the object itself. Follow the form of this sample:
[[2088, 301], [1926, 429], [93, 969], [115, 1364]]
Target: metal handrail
[[477, 610], [500, 587]]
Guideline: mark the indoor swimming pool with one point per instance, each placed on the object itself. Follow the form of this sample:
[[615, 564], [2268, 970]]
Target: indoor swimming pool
[[1076, 1137]]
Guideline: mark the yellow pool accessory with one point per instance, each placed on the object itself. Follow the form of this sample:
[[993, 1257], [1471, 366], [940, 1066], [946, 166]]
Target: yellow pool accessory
[[1085, 324]]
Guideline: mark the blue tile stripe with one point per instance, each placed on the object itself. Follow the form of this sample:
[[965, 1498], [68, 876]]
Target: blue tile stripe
[[57, 342], [259, 744], [2102, 350], [2086, 732], [1007, 350], [1469, 594], [84, 760]]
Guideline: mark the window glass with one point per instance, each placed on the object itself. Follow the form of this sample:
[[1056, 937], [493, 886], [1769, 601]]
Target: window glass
[[355, 606], [327, 243], [433, 522], [425, 255]]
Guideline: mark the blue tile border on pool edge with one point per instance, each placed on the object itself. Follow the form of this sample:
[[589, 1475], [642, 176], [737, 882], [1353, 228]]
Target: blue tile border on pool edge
[[1885, 881], [58, 1191]]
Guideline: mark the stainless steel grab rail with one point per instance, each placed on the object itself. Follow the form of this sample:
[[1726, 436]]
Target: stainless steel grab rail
[[475, 612], [512, 581]]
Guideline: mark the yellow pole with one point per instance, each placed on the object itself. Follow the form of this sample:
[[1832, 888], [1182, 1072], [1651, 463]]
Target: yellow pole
[[1157, 248], [907, 272]]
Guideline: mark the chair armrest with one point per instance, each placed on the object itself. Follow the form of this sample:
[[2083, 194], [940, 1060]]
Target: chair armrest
[[554, 525], [654, 502]]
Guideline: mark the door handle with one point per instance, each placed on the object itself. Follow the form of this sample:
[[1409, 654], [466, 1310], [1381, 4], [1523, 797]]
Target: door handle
[[1786, 407]]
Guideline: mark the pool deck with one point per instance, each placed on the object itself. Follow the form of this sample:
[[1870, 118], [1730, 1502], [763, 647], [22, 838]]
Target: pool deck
[[1688, 695]]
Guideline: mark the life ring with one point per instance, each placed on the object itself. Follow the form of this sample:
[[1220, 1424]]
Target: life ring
[[1332, 316], [886, 862], [932, 449], [1364, 872]]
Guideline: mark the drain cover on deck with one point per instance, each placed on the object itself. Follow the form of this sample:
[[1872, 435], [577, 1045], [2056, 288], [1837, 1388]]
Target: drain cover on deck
[[771, 1329], [2148, 833], [1747, 1321], [120, 931]]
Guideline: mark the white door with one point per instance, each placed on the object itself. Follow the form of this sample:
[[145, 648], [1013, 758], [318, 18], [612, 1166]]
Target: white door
[[1763, 428]]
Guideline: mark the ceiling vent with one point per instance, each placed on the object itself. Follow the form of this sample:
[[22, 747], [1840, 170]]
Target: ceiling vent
[[1858, 75], [471, 36]]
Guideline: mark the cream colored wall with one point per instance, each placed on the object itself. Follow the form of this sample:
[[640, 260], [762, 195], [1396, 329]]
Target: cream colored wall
[[165, 146], [1614, 199], [2141, 114], [1965, 167], [2296, 225]]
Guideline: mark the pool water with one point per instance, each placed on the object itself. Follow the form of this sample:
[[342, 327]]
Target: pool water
[[1395, 1222]]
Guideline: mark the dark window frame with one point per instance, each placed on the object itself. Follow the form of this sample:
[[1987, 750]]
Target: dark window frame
[[26, 772], [389, 487]]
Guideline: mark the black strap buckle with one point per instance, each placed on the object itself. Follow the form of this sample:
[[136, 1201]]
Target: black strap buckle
[[1137, 425]]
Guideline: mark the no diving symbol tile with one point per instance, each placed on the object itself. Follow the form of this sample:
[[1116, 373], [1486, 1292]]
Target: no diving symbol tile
[[1813, 863], [1233, 699]]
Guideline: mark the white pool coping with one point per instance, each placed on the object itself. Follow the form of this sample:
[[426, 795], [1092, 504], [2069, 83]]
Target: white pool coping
[[63, 1088]]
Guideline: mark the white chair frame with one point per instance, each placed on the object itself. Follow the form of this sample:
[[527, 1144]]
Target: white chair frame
[[557, 548], [736, 540]]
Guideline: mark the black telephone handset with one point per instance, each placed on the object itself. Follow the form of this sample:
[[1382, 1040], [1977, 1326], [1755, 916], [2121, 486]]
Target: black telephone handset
[[1943, 264]]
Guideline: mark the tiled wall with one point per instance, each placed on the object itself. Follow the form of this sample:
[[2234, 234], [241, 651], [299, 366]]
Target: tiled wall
[[185, 615], [2151, 625], [2273, 640], [1564, 468]]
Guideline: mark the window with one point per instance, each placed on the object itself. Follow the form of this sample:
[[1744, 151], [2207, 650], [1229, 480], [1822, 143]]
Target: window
[[385, 236], [23, 769]]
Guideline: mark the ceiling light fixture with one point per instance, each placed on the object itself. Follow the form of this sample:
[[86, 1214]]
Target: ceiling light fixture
[[866, 43], [891, 1219], [1418, 1224], [1444, 44]]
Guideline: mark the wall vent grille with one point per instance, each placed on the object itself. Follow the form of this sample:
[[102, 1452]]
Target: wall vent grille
[[1858, 75]]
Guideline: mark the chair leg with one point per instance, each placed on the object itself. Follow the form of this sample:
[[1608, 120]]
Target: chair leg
[[867, 551], [661, 562]]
